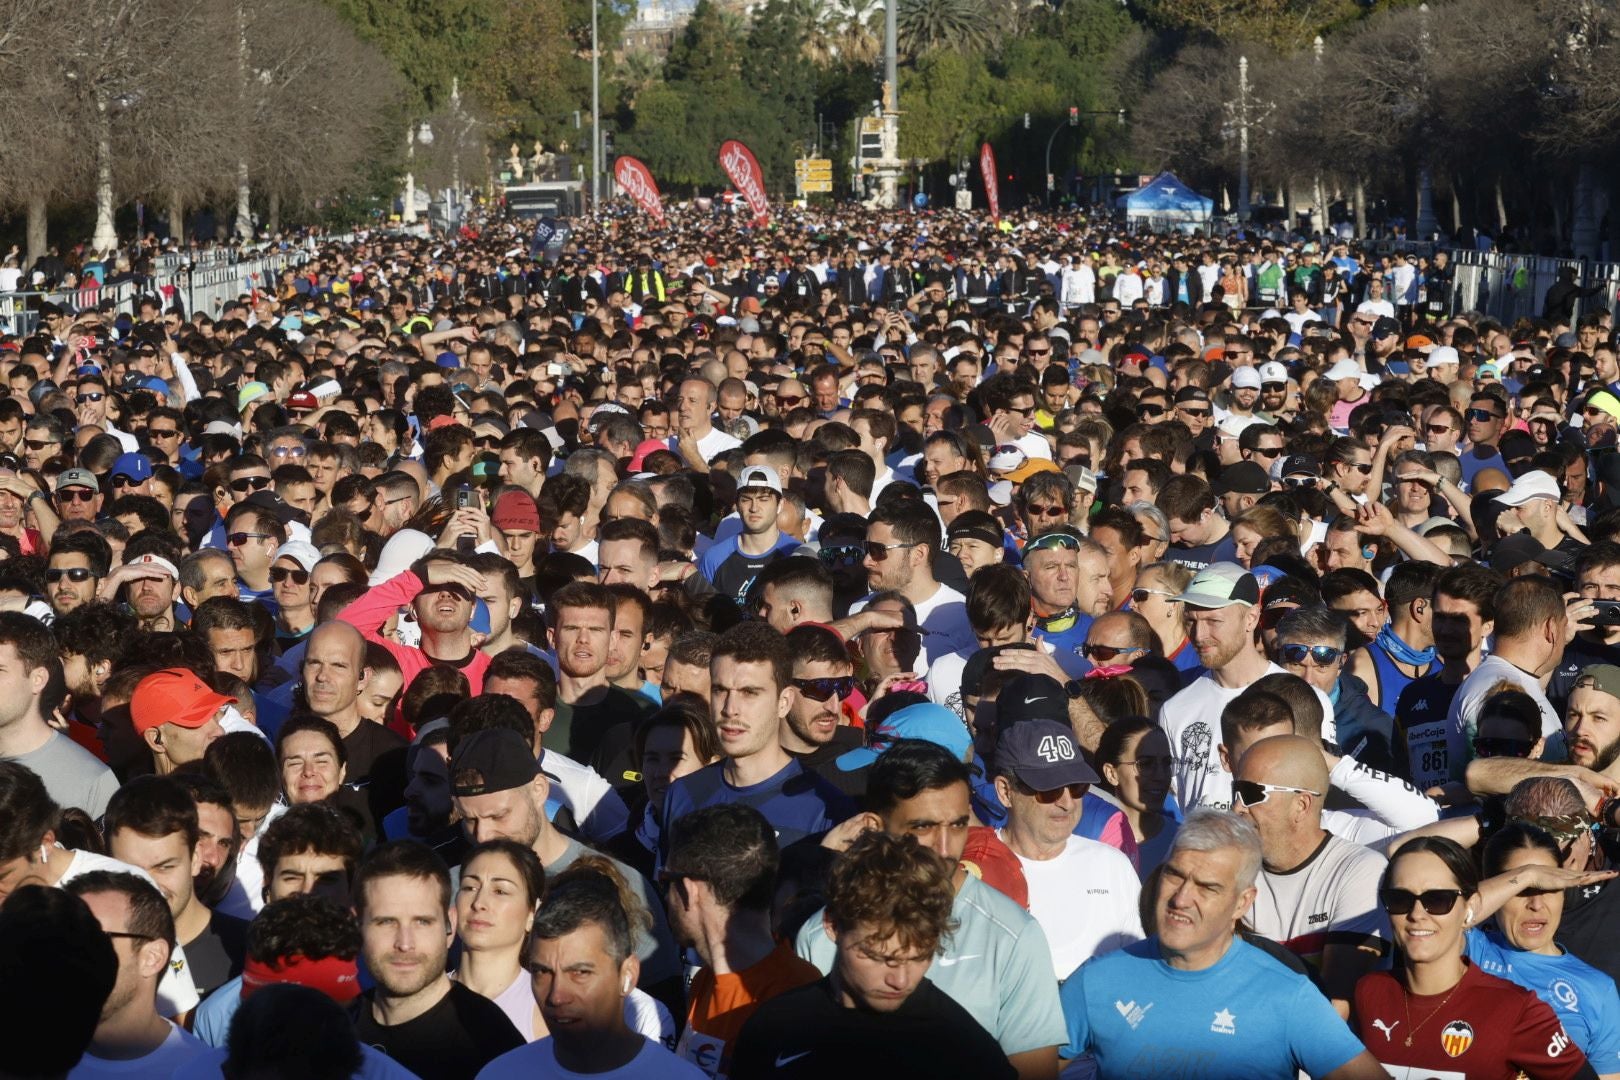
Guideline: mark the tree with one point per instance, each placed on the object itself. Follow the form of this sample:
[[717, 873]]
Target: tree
[[926, 26]]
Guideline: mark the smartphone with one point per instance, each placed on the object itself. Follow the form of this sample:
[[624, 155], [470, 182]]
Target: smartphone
[[1608, 613], [464, 497]]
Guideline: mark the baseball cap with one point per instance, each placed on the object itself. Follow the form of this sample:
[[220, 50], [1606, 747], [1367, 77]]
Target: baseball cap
[[1385, 327], [1344, 369], [759, 476], [1273, 372], [1512, 552], [515, 510], [135, 466], [1604, 677], [1031, 467], [1493, 371], [925, 721], [1243, 478], [1220, 585], [1300, 465], [495, 759], [1605, 401], [1006, 458], [975, 525], [303, 399], [77, 478], [1534, 484], [250, 393], [1246, 378], [1191, 393], [1441, 355], [1026, 698], [174, 696], [152, 559], [1041, 754], [301, 552]]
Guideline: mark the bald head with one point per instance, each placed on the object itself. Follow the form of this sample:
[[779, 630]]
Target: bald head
[[337, 634], [1287, 761], [1121, 629]]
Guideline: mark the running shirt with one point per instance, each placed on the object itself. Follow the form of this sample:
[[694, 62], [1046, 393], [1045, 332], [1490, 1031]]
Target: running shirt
[[721, 1004], [1583, 998], [796, 801], [996, 966], [1085, 900], [1245, 1016], [1196, 558], [1485, 1028], [1330, 899], [1448, 762], [732, 571], [1420, 713]]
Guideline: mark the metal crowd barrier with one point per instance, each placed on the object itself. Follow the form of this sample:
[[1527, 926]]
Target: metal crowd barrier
[[1512, 287]]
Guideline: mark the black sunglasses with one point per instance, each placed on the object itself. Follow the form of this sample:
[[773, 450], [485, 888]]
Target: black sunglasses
[[279, 574], [250, 483], [880, 552], [75, 574], [825, 689], [75, 494], [1434, 901]]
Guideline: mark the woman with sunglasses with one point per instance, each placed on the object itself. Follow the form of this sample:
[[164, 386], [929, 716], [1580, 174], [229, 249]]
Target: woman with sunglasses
[[1154, 598], [1133, 759], [1521, 948], [1437, 1014]]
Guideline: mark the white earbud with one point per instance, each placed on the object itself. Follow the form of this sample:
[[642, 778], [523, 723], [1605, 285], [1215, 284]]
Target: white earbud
[[626, 986], [44, 854], [1468, 915]]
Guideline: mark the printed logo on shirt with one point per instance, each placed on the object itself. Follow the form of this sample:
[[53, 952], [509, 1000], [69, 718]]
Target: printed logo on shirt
[[1387, 1029], [704, 1051], [783, 1060], [1565, 995], [1223, 1023], [1318, 919], [1132, 1012], [952, 961], [1559, 1043], [1456, 1037]]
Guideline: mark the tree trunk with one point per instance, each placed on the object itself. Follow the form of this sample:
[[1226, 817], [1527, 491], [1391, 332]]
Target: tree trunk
[[106, 235], [244, 202], [1360, 198], [177, 219], [272, 222], [37, 239], [1501, 207]]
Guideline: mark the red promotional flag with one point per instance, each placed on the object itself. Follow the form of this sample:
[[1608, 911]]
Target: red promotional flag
[[987, 169], [743, 168], [636, 181]]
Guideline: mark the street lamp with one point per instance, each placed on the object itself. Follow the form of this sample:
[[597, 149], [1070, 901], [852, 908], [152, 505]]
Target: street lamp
[[1073, 121], [413, 135]]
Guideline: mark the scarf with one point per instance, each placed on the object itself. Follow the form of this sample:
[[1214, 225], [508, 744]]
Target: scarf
[[1403, 653]]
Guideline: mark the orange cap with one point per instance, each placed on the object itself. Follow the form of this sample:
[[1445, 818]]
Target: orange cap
[[174, 696]]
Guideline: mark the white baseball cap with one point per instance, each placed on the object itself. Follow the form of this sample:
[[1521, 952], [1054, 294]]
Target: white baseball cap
[[1246, 378], [1441, 355], [759, 476], [1344, 369], [1273, 372], [1534, 484]]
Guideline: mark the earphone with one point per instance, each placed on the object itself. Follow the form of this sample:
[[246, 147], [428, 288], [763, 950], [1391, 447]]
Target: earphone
[[1468, 915], [44, 854], [626, 986]]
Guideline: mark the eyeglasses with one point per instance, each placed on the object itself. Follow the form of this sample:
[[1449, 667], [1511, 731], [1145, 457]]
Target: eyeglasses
[[879, 552], [122, 481], [289, 451], [151, 433], [279, 574], [92, 397], [1482, 416], [1047, 798], [1502, 748], [1434, 901], [1139, 596], [238, 539], [1052, 541], [1104, 653], [1300, 481], [39, 444], [1253, 792], [1321, 655], [1046, 511], [250, 483], [826, 689], [488, 442], [77, 574]]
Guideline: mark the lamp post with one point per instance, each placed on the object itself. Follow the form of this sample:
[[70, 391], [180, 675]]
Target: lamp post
[[1073, 121], [596, 115], [413, 135]]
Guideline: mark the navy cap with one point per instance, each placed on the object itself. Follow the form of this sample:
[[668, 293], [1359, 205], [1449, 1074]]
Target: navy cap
[[1031, 697], [1043, 755]]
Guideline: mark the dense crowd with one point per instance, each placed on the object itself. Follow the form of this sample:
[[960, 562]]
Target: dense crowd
[[877, 644]]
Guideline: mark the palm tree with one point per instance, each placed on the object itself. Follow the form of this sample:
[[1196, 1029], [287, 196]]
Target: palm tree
[[860, 29], [639, 69], [956, 25]]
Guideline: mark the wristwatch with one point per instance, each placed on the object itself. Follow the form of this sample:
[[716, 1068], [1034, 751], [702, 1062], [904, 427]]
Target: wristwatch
[[1072, 688]]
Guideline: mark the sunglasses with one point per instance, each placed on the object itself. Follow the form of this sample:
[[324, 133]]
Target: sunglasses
[[238, 539], [789, 400], [122, 481], [250, 483], [278, 574], [1053, 541], [289, 451], [1047, 798], [1481, 416], [1139, 596], [826, 689], [1364, 470], [151, 433], [1321, 655], [842, 553], [880, 552], [1502, 748], [1023, 412], [82, 398], [1104, 653], [1266, 451], [1046, 511], [1299, 481], [1434, 901], [39, 444], [1150, 410], [75, 574], [1438, 429], [1194, 412], [1274, 387], [488, 442], [1253, 792]]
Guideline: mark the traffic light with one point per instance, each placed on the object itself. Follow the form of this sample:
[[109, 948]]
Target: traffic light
[[1074, 116]]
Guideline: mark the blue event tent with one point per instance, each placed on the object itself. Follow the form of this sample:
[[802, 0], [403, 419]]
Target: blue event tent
[[1167, 199]]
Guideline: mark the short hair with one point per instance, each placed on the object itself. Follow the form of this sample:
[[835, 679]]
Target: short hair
[[1253, 710], [259, 1042], [1544, 796], [299, 723], [1604, 553], [401, 858], [488, 712], [153, 806], [894, 887], [90, 544], [577, 899], [149, 914], [1158, 475], [1047, 485], [27, 811], [632, 529], [967, 486], [305, 925], [1315, 622], [909, 767], [32, 639], [246, 766], [1347, 581], [309, 828], [582, 594], [997, 596], [96, 631], [731, 848], [812, 643], [1409, 581], [1300, 698], [192, 574], [799, 576], [1185, 497], [57, 970], [855, 469], [1121, 521], [756, 643], [563, 494], [912, 522], [1524, 604], [222, 613], [520, 663], [1213, 830], [640, 491]]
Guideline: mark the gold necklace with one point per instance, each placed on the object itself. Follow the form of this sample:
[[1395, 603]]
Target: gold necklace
[[1406, 1001]]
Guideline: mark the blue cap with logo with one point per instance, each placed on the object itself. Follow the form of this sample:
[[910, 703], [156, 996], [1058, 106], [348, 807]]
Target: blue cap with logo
[[1042, 754], [926, 721]]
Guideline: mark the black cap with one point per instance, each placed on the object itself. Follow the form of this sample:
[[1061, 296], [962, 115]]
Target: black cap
[[1243, 478], [1385, 327], [1512, 552], [1031, 697], [976, 525], [1191, 393], [496, 759], [978, 665], [1301, 465]]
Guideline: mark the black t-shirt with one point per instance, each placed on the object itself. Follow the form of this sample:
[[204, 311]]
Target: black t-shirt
[[823, 761], [376, 765], [216, 954], [451, 1041], [807, 1033], [1591, 926], [577, 730]]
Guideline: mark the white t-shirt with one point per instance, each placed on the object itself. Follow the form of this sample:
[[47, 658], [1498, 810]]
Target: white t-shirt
[[944, 616], [1378, 308], [176, 1051], [1085, 901], [715, 442], [1192, 721], [538, 1061], [1034, 446], [1334, 892], [1441, 750], [176, 993], [597, 808], [9, 277], [245, 898]]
